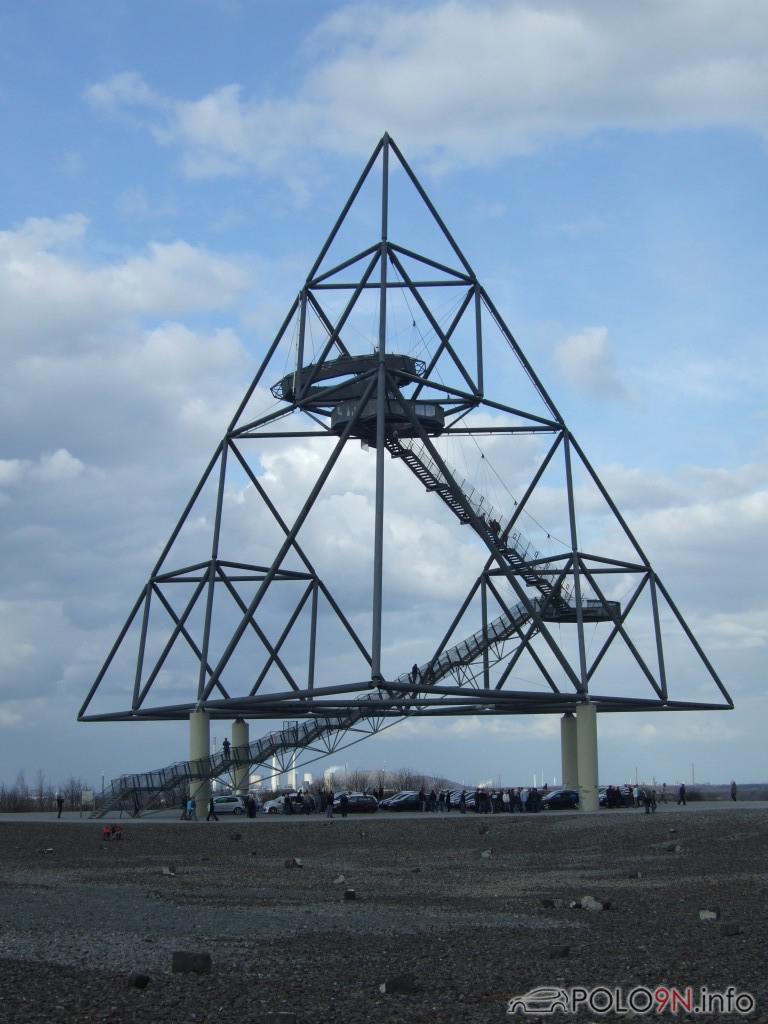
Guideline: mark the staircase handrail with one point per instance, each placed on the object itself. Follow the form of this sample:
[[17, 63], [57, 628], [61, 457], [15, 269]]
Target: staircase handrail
[[300, 734], [485, 511]]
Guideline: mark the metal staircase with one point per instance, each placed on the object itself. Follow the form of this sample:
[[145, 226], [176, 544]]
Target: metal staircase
[[460, 497], [467, 651], [134, 793]]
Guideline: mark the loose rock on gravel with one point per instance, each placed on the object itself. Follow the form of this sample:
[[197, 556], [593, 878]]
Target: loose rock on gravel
[[80, 927]]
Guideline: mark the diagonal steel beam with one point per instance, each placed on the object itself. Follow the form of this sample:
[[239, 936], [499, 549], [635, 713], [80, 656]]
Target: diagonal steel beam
[[288, 542]]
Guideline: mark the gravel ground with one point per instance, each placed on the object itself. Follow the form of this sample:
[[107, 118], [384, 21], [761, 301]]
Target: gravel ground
[[76, 922]]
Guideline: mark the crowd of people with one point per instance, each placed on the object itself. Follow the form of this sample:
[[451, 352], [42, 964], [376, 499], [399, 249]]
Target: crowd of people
[[641, 796], [629, 796], [483, 801], [511, 800]]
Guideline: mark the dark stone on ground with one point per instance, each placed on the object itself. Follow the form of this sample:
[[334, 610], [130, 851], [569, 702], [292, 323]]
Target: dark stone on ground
[[399, 984], [190, 963], [473, 933]]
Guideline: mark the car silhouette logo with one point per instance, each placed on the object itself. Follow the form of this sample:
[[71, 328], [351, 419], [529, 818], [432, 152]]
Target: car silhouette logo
[[539, 1000]]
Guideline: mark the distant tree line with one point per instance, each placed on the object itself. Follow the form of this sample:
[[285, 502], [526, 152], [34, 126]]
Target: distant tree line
[[361, 781], [41, 794]]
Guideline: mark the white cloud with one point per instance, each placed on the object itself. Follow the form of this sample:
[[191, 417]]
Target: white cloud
[[9, 718], [729, 632], [470, 83], [11, 470], [50, 467], [718, 379], [587, 362], [134, 204], [126, 88], [59, 465], [479, 727], [643, 490], [49, 292]]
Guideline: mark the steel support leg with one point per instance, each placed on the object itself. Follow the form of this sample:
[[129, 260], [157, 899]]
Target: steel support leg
[[200, 749], [568, 751], [239, 742], [586, 756]]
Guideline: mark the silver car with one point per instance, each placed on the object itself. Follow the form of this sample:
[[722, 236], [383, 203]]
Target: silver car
[[229, 805]]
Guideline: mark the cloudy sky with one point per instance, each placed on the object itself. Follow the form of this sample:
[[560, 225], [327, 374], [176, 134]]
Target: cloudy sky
[[169, 174]]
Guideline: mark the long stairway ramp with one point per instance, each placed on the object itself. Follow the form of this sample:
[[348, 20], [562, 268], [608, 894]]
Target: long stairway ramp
[[139, 792], [134, 793], [466, 652], [458, 495]]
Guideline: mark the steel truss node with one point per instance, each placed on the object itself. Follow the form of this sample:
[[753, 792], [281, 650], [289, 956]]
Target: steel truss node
[[530, 606]]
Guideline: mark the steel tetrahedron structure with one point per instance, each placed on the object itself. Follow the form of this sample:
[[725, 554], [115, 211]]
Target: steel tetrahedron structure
[[298, 581]]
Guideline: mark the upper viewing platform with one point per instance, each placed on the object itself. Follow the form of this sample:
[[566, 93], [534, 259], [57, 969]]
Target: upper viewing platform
[[301, 386], [347, 379]]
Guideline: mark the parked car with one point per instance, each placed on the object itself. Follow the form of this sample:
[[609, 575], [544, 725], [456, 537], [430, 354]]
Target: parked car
[[469, 799], [405, 800], [277, 806], [357, 803], [229, 804], [561, 800]]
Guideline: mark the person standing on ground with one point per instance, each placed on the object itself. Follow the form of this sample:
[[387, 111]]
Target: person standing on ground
[[733, 789], [329, 804], [681, 795], [212, 811], [60, 803], [344, 804], [422, 799], [463, 802], [663, 792]]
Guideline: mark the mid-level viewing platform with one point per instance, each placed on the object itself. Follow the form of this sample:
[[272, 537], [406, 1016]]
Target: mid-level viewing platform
[[430, 416]]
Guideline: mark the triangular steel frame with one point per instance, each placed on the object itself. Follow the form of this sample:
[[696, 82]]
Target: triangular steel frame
[[380, 398]]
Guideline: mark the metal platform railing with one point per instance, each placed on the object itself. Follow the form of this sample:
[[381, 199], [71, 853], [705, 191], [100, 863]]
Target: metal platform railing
[[458, 493], [471, 648], [129, 790]]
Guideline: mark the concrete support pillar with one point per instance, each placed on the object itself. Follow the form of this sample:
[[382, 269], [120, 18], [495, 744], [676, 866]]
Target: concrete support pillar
[[586, 756], [273, 780], [568, 752], [240, 741], [200, 748], [292, 770]]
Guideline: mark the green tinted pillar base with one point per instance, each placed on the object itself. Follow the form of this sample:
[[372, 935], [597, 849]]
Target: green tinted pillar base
[[200, 748], [586, 756], [570, 776], [240, 739]]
